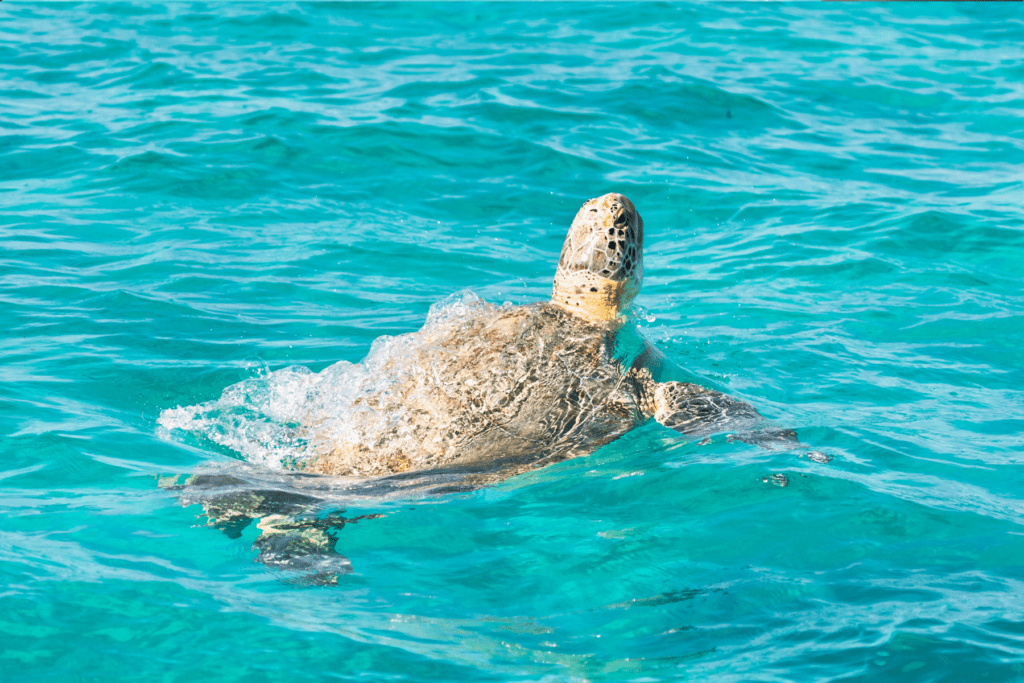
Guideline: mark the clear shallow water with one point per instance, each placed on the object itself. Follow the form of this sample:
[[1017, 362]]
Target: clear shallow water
[[832, 201]]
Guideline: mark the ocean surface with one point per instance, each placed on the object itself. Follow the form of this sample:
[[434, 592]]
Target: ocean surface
[[196, 196]]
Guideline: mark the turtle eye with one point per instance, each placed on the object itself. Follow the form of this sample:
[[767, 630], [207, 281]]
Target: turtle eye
[[621, 219]]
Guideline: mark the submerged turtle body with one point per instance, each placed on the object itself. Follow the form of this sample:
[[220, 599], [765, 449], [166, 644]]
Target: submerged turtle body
[[474, 397], [521, 387]]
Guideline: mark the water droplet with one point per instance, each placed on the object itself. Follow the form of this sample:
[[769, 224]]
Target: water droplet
[[818, 456], [253, 367]]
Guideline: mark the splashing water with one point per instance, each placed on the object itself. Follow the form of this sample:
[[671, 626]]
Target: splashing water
[[262, 418]]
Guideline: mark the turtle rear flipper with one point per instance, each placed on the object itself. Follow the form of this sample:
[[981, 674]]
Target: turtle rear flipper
[[294, 537], [305, 546]]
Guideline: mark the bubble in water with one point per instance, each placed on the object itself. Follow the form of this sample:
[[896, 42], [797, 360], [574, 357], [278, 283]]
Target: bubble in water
[[253, 366], [643, 314]]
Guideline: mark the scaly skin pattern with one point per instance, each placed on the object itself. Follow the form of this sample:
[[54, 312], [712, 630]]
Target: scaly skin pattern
[[696, 411], [601, 267]]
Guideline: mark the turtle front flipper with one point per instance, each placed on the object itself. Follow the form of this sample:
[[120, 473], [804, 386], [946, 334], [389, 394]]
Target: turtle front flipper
[[695, 411]]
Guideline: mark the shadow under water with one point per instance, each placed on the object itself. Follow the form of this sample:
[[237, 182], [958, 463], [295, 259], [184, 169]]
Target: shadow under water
[[299, 515]]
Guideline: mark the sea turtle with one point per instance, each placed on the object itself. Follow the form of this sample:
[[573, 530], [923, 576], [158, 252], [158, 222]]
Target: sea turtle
[[477, 397], [514, 388]]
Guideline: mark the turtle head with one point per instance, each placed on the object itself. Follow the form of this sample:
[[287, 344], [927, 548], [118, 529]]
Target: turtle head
[[601, 267]]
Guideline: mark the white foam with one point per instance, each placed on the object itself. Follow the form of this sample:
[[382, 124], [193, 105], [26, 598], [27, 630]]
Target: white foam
[[264, 418]]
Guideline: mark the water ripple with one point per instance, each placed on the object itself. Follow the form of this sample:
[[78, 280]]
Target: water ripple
[[834, 233]]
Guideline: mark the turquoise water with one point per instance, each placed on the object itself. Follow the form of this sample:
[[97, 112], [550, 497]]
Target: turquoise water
[[832, 197]]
